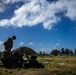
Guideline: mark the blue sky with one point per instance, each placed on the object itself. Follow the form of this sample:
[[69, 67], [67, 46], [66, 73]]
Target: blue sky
[[42, 25]]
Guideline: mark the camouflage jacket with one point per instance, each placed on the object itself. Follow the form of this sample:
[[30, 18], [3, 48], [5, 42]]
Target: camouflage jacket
[[8, 43]]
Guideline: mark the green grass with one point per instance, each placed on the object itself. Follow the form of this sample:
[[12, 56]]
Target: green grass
[[59, 65]]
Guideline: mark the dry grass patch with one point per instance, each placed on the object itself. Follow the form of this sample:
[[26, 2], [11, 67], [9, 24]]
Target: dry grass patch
[[53, 68]]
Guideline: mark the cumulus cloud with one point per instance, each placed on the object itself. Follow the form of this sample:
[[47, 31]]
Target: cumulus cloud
[[5, 3], [21, 43], [2, 6], [31, 43], [34, 12], [71, 9]]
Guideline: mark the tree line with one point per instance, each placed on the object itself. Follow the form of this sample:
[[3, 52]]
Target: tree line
[[61, 52], [56, 52]]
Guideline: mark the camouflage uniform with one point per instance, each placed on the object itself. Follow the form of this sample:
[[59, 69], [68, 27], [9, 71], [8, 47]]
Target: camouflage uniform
[[17, 58], [8, 44]]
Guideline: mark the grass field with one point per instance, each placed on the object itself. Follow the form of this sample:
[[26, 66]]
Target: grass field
[[55, 65]]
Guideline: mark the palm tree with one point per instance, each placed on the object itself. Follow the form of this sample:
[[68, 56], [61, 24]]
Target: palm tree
[[75, 52], [62, 51], [40, 53], [71, 52], [67, 51]]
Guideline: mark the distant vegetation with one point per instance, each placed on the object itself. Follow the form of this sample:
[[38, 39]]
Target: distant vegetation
[[62, 52], [56, 52]]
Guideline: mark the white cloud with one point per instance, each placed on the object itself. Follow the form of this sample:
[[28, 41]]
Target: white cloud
[[4, 22], [21, 43], [71, 9], [40, 11], [4, 3], [56, 45], [2, 6], [45, 49], [11, 1], [1, 42], [40, 44], [1, 46], [31, 43]]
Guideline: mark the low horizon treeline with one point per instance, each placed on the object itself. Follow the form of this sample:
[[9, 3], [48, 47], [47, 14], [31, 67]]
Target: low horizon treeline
[[61, 52], [56, 52]]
